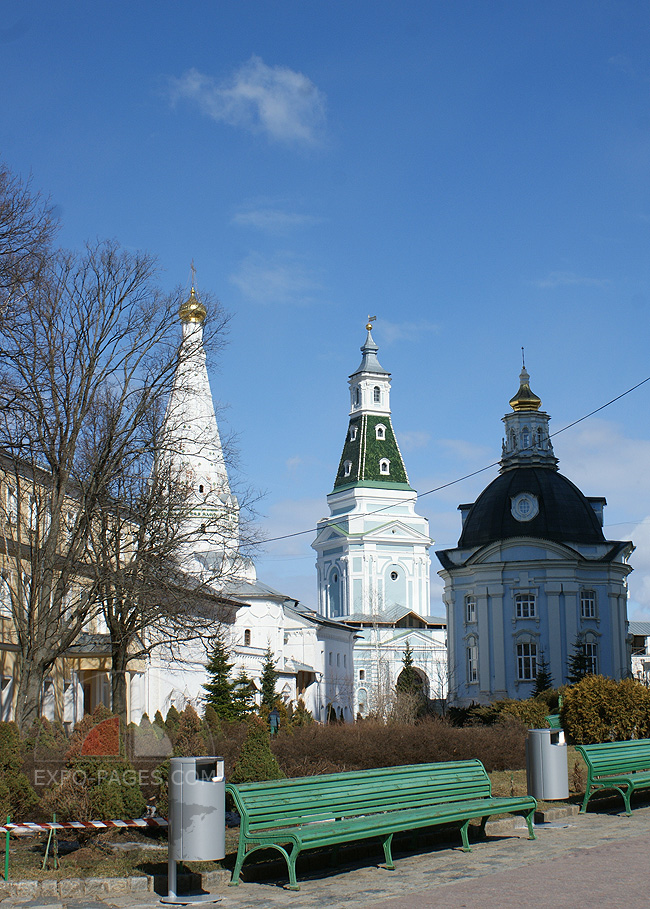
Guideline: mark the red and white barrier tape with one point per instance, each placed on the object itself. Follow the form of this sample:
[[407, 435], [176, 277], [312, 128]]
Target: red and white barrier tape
[[86, 825]]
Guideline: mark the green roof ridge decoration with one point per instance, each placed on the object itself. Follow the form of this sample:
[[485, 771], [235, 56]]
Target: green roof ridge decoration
[[366, 451]]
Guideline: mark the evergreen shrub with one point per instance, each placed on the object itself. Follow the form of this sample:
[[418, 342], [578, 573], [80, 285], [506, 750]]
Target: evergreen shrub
[[256, 761], [599, 709], [17, 796]]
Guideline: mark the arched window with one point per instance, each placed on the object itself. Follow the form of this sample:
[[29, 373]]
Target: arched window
[[357, 395], [376, 394], [384, 467], [590, 650], [247, 637], [347, 468], [472, 660], [526, 661], [525, 437], [353, 433], [380, 431], [470, 608], [525, 606]]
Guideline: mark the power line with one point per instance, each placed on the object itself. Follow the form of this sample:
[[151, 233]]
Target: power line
[[467, 476]]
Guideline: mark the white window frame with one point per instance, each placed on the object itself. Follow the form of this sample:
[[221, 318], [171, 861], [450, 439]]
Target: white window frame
[[525, 606], [470, 608], [376, 395], [384, 467], [590, 650], [347, 468], [380, 432], [472, 661], [588, 604], [526, 661]]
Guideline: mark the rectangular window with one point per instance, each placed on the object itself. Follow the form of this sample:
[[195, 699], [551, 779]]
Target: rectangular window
[[525, 606], [526, 662], [12, 505], [588, 604], [330, 658], [470, 609], [472, 663], [591, 657]]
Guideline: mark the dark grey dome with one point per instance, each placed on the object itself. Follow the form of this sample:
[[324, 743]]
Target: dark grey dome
[[564, 515]]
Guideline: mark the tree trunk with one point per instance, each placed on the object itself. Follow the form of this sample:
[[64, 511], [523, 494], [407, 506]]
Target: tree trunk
[[30, 688], [119, 663]]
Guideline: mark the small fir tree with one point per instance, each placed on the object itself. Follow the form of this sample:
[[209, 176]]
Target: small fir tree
[[243, 701], [219, 688], [579, 664], [268, 680], [543, 679], [190, 740], [256, 760], [409, 681], [172, 723]]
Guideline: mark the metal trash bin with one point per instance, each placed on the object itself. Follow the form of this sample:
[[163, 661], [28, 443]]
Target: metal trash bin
[[197, 817], [547, 771]]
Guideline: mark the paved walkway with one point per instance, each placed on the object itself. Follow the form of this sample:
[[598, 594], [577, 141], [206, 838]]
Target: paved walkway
[[582, 861]]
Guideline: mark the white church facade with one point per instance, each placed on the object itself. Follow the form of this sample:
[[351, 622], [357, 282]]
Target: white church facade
[[373, 551]]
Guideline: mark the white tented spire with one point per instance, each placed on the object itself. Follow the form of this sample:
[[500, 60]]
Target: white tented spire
[[192, 448]]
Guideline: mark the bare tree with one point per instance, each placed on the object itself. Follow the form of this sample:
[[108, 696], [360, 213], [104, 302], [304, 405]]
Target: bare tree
[[138, 543], [27, 227], [85, 357]]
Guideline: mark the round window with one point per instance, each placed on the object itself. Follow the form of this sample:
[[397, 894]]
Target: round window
[[393, 575]]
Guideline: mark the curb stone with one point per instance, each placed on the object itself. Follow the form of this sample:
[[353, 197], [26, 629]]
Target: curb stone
[[102, 886]]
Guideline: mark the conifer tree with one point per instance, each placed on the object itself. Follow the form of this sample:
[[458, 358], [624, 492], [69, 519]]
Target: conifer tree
[[269, 679], [219, 688], [409, 680], [256, 760], [579, 664], [543, 679], [242, 696]]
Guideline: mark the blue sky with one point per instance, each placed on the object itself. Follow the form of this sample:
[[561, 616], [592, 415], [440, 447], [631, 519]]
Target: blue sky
[[476, 175]]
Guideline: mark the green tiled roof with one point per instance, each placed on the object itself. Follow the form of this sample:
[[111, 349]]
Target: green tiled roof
[[366, 452]]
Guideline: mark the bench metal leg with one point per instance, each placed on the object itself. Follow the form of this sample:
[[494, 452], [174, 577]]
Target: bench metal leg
[[388, 856], [529, 821], [463, 833]]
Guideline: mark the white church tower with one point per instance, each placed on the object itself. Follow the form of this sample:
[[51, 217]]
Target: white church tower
[[192, 449], [373, 550]]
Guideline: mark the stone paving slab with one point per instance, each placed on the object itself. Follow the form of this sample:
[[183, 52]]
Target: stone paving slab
[[578, 862]]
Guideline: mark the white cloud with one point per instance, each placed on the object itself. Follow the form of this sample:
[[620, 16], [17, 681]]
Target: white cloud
[[409, 441], [280, 278], [273, 220], [403, 331], [275, 100], [569, 279]]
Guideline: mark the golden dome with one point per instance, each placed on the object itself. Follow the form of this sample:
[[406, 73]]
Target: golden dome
[[192, 310], [525, 399]]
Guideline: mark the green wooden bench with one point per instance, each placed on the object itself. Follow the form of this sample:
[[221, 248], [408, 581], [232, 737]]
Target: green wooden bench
[[336, 808], [623, 766]]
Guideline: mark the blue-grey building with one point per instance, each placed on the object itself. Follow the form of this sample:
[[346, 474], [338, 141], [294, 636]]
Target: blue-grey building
[[532, 576]]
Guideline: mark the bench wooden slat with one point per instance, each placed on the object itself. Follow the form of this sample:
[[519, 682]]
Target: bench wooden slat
[[620, 766], [334, 808]]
